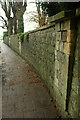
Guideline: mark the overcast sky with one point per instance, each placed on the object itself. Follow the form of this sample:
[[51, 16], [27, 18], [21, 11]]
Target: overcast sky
[[1, 14], [28, 23]]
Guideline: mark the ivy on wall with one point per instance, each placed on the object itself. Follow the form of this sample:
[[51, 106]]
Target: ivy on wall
[[27, 36], [23, 36], [5, 34]]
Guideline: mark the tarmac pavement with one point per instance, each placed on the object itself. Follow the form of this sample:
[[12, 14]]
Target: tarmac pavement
[[23, 93]]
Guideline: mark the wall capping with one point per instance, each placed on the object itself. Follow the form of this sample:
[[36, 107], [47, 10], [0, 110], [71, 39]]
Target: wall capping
[[64, 15], [61, 16], [42, 28]]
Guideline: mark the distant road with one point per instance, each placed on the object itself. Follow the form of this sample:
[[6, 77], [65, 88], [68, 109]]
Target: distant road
[[1, 40]]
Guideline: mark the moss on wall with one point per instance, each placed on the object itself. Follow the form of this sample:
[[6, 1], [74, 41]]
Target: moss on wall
[[21, 37]]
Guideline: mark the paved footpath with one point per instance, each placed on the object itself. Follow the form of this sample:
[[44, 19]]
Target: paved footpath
[[23, 93], [0, 85]]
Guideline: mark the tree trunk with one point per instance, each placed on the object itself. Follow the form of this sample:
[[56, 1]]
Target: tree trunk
[[15, 25], [10, 26], [20, 14], [20, 24]]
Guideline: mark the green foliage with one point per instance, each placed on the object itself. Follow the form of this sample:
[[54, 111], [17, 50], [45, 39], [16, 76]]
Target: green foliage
[[21, 37], [5, 34], [22, 28], [52, 8], [27, 36], [21, 23]]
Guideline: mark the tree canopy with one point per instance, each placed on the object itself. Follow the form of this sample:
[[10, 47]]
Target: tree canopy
[[52, 8], [14, 24]]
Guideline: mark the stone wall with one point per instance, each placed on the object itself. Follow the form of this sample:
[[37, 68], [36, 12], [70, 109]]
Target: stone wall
[[52, 51], [74, 106]]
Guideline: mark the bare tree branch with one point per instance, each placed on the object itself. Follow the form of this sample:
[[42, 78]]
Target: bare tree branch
[[5, 21], [18, 9], [3, 27]]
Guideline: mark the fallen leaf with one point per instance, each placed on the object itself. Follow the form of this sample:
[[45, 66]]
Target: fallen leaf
[[12, 82], [24, 94], [12, 89], [41, 102], [35, 82], [35, 75], [15, 106], [18, 67]]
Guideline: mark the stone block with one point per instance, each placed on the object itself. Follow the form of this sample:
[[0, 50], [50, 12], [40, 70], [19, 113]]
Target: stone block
[[56, 81], [78, 43], [57, 45], [55, 52], [71, 36], [56, 65], [53, 39], [50, 49], [52, 42], [53, 58], [59, 99], [73, 105], [20, 47], [64, 36], [58, 36], [68, 48], [68, 36], [75, 70], [61, 46], [57, 27], [65, 25], [54, 34], [53, 72], [49, 38], [75, 87], [61, 57], [79, 27], [73, 113], [77, 11]]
